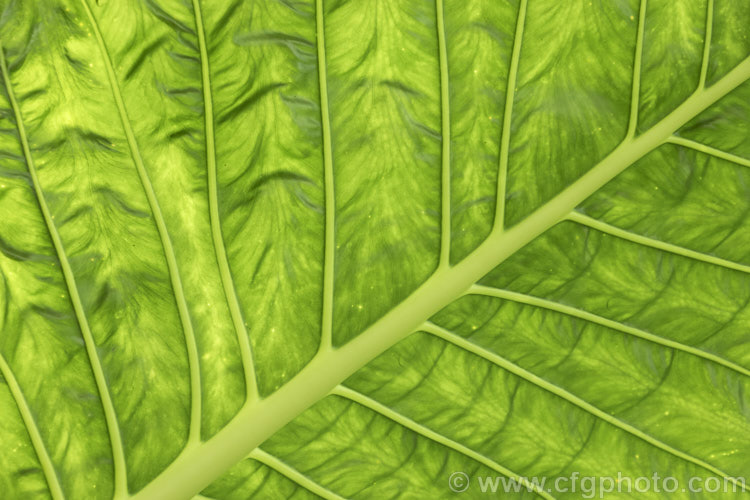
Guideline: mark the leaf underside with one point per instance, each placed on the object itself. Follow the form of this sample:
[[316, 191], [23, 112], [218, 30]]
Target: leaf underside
[[342, 249]]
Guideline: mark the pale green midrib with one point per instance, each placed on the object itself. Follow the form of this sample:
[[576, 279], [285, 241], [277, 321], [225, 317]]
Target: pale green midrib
[[617, 232], [48, 468], [706, 44], [166, 242], [230, 292], [510, 91], [530, 377], [605, 322], [445, 117], [376, 406], [718, 153], [254, 423], [326, 333], [292, 474], [113, 429], [636, 84]]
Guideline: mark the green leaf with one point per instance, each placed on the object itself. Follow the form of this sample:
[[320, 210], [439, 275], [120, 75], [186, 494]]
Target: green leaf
[[344, 249]]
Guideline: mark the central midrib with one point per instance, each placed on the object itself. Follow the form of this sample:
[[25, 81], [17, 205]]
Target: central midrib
[[194, 470]]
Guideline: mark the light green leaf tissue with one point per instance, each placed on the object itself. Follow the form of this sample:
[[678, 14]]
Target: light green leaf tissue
[[374, 249]]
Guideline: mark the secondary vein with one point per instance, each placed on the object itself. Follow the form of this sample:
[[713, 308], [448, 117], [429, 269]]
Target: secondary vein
[[510, 92], [376, 406], [606, 322], [161, 226], [707, 44], [718, 153], [445, 203], [637, 62], [617, 232], [252, 425], [110, 416], [326, 335], [48, 468], [251, 384], [534, 379], [293, 474]]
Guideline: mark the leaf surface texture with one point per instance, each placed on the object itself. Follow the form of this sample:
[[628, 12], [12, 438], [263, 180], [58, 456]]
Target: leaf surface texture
[[342, 249]]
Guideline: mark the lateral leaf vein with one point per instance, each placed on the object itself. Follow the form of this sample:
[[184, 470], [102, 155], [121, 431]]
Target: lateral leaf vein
[[293, 474], [110, 415], [230, 291], [510, 92], [376, 406], [161, 226], [326, 334], [606, 322], [48, 468], [552, 388]]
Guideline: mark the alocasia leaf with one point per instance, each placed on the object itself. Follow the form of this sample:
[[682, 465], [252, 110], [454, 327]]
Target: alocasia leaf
[[347, 248]]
